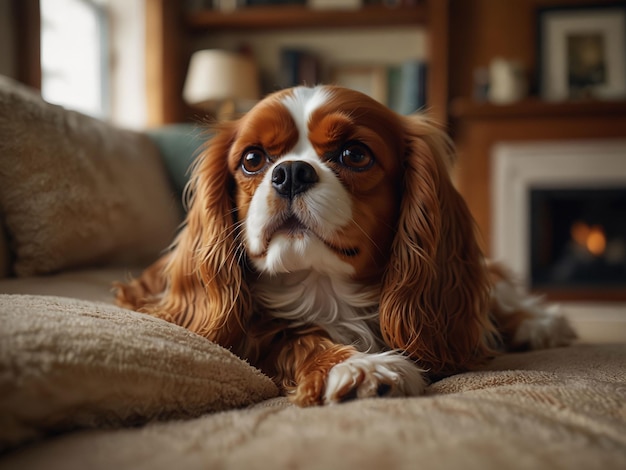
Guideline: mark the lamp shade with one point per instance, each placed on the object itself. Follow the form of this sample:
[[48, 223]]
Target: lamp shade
[[217, 75]]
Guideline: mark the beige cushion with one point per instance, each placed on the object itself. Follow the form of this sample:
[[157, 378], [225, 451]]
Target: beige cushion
[[75, 191], [68, 364], [554, 409], [95, 284]]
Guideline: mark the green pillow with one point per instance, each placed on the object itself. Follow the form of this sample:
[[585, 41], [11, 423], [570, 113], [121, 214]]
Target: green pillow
[[179, 145]]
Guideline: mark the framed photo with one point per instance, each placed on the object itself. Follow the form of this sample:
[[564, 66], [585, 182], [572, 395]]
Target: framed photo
[[582, 52], [369, 80]]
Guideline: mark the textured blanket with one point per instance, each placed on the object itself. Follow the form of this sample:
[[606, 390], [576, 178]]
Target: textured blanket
[[562, 408]]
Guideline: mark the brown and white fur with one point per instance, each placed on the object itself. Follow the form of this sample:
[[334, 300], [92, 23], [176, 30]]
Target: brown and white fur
[[326, 244]]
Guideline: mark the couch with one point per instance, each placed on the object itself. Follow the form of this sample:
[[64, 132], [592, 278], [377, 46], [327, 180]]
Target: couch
[[86, 384]]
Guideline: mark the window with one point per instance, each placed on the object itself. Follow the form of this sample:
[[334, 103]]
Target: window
[[74, 55]]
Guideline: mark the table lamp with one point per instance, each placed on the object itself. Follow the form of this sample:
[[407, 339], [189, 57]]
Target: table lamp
[[226, 83]]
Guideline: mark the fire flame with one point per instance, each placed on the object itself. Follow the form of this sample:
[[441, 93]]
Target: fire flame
[[591, 237]]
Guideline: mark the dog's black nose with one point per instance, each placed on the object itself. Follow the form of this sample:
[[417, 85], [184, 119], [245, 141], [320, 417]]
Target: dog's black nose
[[292, 178]]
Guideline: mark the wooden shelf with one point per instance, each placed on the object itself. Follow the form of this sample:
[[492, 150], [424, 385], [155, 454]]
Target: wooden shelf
[[462, 108], [598, 294], [299, 16]]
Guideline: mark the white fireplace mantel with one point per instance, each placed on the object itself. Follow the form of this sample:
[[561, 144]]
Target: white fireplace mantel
[[518, 167]]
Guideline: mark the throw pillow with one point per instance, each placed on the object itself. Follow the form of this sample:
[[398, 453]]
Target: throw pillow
[[68, 364], [75, 191], [179, 145]]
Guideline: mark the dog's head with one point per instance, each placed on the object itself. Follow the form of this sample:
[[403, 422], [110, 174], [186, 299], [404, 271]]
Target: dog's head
[[317, 173], [327, 179]]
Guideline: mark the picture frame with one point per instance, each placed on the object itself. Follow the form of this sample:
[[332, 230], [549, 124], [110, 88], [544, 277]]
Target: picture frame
[[371, 80], [582, 52]]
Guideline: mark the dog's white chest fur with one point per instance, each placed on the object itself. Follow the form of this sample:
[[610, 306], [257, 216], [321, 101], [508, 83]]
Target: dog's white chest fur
[[346, 310]]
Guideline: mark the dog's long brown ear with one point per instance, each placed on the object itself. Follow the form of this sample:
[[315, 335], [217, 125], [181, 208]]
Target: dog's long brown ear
[[435, 295], [199, 283]]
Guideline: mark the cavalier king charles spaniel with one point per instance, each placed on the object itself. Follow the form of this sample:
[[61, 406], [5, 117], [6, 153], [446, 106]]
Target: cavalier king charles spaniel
[[325, 244]]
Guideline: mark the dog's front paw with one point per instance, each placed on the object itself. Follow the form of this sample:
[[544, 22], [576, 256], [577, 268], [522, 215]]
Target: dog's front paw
[[369, 375]]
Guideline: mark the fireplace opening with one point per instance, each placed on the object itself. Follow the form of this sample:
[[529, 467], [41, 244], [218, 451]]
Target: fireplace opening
[[578, 243]]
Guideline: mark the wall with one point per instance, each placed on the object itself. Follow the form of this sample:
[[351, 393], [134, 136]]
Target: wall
[[128, 77]]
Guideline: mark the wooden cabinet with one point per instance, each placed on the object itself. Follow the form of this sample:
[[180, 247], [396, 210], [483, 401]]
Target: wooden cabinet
[[171, 33], [481, 30]]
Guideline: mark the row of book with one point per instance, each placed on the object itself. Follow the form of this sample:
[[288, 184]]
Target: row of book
[[406, 87], [403, 87], [337, 4], [232, 5]]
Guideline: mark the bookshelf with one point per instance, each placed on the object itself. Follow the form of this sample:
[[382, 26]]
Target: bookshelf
[[173, 33]]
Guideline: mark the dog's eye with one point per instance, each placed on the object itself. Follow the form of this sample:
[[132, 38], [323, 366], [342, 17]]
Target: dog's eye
[[356, 156], [253, 161]]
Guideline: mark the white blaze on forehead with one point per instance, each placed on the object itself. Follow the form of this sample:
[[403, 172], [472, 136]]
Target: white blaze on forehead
[[301, 103]]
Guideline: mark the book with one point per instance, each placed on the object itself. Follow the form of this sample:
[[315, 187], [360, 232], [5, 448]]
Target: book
[[412, 87], [252, 3], [335, 4], [394, 88], [298, 67]]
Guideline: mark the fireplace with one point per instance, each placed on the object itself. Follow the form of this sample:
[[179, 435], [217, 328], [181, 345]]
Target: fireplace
[[578, 242], [559, 221]]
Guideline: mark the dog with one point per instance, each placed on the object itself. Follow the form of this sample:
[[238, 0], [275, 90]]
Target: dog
[[326, 244]]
